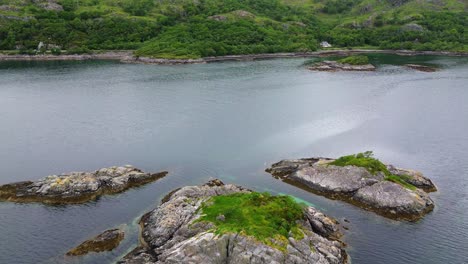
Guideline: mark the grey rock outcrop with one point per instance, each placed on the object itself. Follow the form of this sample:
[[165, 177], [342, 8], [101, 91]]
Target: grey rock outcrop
[[336, 66], [171, 234], [77, 187], [358, 186]]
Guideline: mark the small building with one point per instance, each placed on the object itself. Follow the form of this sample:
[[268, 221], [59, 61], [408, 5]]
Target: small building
[[325, 44]]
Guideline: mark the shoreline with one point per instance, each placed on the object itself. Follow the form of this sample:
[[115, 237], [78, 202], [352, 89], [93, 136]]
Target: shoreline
[[128, 57]]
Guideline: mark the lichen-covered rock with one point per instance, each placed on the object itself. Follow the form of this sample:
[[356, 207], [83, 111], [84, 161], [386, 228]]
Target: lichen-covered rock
[[77, 187], [358, 186], [336, 66], [171, 234], [106, 241]]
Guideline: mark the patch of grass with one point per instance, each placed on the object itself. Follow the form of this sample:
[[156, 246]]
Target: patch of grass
[[365, 160], [260, 215], [355, 60], [400, 180], [373, 165]]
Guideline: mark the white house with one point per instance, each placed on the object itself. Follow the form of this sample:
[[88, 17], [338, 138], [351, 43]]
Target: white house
[[325, 44]]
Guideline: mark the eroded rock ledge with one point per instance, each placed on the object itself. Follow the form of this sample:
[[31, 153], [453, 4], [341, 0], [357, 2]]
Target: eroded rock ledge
[[77, 187], [171, 234], [358, 186]]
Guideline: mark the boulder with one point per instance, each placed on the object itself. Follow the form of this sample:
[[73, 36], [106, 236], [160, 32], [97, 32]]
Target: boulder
[[171, 234], [77, 187]]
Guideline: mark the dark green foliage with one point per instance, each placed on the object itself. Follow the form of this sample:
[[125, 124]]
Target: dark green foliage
[[206, 37], [56, 51], [339, 6], [185, 29], [260, 215], [373, 165], [137, 7], [355, 60]]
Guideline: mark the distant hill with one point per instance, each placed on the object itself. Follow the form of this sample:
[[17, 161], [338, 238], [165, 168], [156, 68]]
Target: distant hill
[[199, 28]]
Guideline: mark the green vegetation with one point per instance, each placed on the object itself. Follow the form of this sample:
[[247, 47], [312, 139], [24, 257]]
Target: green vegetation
[[373, 165], [260, 215], [355, 60], [193, 29]]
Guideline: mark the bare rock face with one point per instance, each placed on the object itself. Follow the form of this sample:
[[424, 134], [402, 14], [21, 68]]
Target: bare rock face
[[106, 241], [171, 234], [77, 187], [336, 66], [358, 186], [394, 199]]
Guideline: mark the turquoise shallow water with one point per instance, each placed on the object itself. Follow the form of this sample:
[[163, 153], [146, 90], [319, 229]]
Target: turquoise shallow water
[[230, 120]]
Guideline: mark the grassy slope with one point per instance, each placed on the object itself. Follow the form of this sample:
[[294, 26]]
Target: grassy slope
[[184, 29]]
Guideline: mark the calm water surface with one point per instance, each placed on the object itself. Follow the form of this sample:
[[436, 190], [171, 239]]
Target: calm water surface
[[230, 120]]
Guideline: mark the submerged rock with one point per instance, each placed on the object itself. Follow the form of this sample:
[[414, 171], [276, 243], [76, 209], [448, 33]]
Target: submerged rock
[[358, 186], [422, 68], [171, 234], [336, 66], [77, 187], [106, 241]]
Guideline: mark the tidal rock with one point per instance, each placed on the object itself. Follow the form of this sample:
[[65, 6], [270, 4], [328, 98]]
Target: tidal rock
[[336, 66], [106, 241], [358, 186], [77, 187], [171, 234], [422, 68]]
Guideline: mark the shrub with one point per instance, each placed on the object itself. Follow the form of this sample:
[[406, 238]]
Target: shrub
[[355, 60]]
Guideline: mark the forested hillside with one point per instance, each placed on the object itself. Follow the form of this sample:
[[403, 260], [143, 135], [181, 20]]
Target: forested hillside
[[199, 28]]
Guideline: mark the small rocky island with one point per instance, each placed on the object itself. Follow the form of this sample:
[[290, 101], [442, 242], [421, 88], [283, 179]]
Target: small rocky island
[[352, 63], [364, 181], [218, 223], [106, 241], [77, 187]]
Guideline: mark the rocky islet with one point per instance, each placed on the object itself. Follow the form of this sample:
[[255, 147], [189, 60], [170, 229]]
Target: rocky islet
[[171, 233], [405, 200], [77, 187]]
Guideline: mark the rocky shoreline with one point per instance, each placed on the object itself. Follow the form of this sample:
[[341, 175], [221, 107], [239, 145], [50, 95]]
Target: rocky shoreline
[[356, 185], [171, 233], [77, 187], [128, 57]]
